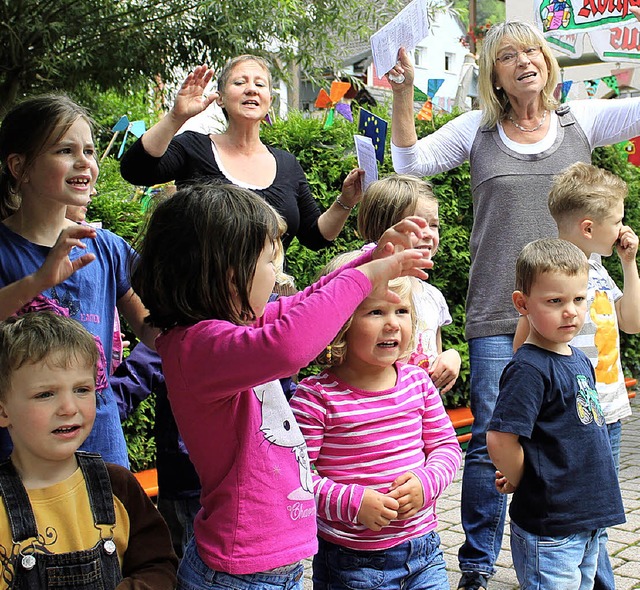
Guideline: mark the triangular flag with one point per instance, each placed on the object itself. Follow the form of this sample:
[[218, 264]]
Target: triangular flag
[[611, 82], [557, 91], [591, 87], [564, 91], [418, 95], [374, 127], [426, 112], [433, 86], [633, 151]]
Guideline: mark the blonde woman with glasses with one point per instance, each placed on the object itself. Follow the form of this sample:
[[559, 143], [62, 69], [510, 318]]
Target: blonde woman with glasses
[[515, 143]]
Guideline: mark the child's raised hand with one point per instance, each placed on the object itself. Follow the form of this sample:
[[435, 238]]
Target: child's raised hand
[[407, 490], [57, 266], [503, 485], [445, 369], [627, 244], [377, 510], [403, 235], [398, 264], [191, 99]]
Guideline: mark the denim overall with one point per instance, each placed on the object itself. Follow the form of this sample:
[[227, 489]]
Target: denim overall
[[92, 569]]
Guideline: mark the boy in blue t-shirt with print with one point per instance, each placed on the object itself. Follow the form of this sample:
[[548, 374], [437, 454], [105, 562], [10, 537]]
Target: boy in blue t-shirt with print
[[547, 436]]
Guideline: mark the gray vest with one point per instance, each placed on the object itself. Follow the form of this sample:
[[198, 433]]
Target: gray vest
[[510, 192]]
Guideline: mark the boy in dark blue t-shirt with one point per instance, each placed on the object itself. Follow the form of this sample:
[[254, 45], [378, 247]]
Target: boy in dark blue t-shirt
[[547, 437]]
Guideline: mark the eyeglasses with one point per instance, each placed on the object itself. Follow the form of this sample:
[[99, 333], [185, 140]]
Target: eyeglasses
[[507, 59]]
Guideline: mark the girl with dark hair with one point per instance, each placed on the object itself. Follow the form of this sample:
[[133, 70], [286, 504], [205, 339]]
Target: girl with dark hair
[[206, 272]]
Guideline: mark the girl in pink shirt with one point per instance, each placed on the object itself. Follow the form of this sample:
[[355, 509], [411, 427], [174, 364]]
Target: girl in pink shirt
[[384, 450], [205, 272]]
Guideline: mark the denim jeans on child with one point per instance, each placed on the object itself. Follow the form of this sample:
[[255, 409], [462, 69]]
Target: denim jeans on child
[[553, 563], [414, 564], [194, 574], [483, 508], [605, 579]]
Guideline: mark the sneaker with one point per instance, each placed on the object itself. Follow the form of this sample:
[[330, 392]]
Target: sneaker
[[473, 581]]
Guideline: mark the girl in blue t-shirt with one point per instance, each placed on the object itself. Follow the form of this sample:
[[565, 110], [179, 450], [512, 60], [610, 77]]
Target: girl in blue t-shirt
[[48, 162]]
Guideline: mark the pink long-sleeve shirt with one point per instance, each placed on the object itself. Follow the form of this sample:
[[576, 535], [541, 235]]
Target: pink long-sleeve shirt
[[358, 439], [258, 510]]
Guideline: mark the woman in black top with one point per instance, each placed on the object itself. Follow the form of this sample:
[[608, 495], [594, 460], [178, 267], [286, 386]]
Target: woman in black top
[[237, 155]]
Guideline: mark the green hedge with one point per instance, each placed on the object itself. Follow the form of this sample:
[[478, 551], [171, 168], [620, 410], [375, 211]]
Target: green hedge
[[327, 155]]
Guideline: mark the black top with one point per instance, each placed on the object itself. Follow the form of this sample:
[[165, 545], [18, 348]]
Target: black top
[[189, 159]]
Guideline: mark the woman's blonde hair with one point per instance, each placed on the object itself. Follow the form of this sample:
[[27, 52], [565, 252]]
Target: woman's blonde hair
[[495, 103], [385, 201], [334, 354]]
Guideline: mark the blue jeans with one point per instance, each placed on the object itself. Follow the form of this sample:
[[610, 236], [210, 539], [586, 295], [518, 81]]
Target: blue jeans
[[551, 563], [194, 574], [605, 580], [483, 508], [414, 564]]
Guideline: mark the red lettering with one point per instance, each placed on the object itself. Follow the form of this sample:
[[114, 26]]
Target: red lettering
[[614, 39], [587, 8], [630, 39]]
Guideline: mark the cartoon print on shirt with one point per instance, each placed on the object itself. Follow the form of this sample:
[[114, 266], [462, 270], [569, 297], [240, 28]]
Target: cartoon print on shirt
[[606, 338], [280, 428], [587, 403]]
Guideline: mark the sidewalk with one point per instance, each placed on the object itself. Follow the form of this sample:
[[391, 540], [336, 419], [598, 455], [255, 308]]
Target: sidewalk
[[624, 540]]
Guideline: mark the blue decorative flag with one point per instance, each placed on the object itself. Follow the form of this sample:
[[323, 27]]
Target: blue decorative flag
[[433, 85], [376, 128], [566, 86]]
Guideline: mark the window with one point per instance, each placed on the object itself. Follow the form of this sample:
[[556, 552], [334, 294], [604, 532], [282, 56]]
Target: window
[[449, 61], [420, 57]]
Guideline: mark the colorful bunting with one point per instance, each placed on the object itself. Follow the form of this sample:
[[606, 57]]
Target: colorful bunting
[[418, 95], [591, 87], [426, 112], [332, 102], [611, 82], [433, 86], [564, 89], [632, 148], [376, 128]]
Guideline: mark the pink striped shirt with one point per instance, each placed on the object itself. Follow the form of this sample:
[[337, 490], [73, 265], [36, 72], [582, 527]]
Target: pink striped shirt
[[359, 439]]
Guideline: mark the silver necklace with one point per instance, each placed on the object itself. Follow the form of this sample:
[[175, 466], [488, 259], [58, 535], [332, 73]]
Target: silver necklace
[[544, 116]]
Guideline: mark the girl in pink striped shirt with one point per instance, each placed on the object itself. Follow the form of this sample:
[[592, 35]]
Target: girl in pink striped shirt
[[384, 450]]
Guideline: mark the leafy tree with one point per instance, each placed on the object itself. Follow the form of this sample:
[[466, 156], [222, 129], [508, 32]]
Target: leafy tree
[[487, 11], [117, 43]]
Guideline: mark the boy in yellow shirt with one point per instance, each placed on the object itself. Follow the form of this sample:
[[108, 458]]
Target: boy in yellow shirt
[[67, 519]]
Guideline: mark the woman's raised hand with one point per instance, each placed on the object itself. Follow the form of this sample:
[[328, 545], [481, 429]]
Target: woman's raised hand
[[352, 188], [402, 71], [191, 99]]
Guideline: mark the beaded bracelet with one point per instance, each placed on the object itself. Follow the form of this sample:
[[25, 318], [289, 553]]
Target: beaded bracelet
[[345, 207]]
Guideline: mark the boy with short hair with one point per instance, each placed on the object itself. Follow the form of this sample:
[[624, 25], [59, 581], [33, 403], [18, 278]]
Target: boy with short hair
[[67, 519], [587, 204], [547, 437]]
